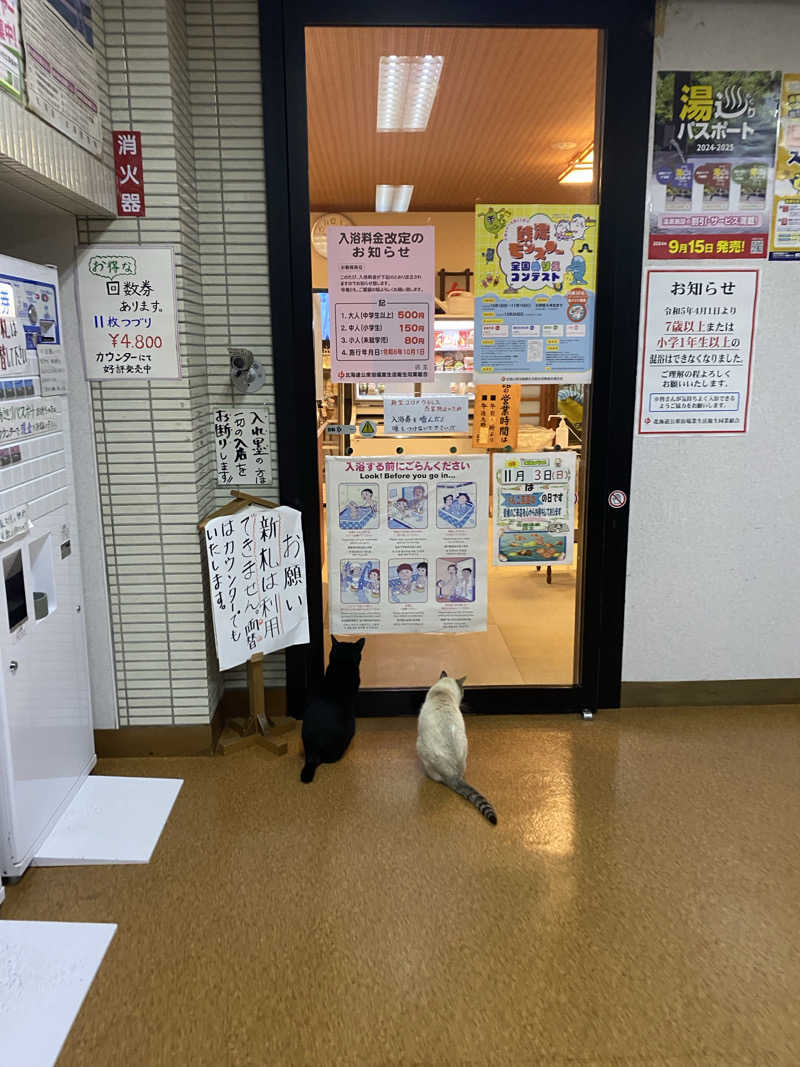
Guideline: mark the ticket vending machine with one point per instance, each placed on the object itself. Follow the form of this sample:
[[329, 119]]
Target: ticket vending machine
[[46, 739]]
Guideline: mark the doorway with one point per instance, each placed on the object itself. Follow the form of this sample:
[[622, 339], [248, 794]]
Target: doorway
[[550, 634]]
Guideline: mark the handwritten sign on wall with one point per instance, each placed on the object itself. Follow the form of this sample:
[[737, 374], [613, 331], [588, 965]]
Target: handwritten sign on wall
[[257, 573], [29, 418], [241, 440], [128, 316]]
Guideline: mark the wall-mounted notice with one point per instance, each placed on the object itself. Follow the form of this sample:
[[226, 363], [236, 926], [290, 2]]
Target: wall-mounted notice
[[11, 79], [698, 350], [129, 173], [14, 522], [129, 327], [713, 155], [380, 283], [29, 417], [60, 69], [495, 422], [534, 507], [17, 351], [535, 269], [257, 573], [52, 368], [785, 243], [407, 544], [241, 439], [447, 413]]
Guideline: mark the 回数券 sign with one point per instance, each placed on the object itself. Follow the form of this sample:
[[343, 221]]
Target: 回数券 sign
[[129, 326]]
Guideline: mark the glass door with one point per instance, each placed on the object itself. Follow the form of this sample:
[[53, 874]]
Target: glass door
[[408, 564], [454, 503]]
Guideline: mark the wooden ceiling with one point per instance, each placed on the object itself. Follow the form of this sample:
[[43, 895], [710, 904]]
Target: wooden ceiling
[[506, 97]]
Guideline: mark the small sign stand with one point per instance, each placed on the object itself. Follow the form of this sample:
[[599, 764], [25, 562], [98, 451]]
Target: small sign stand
[[258, 728]]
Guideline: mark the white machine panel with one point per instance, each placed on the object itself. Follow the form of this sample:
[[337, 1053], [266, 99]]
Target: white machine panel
[[46, 740]]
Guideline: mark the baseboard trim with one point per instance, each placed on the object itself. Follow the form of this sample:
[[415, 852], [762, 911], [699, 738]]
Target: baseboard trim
[[199, 740], [154, 741], [235, 702], [723, 693]]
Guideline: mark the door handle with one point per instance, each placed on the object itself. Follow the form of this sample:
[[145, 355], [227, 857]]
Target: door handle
[[13, 665]]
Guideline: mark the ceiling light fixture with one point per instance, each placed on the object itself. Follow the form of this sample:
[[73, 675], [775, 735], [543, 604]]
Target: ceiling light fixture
[[393, 197], [581, 170], [407, 87]]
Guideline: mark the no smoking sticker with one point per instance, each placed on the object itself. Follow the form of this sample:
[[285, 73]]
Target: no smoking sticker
[[617, 498]]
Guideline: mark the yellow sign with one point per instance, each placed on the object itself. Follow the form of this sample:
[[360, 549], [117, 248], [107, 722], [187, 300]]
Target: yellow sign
[[495, 422], [785, 234], [535, 282]]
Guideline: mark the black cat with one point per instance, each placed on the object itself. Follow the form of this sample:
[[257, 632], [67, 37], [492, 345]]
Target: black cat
[[329, 721]]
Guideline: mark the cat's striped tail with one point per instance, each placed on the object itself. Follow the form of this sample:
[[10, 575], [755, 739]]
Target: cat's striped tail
[[478, 799]]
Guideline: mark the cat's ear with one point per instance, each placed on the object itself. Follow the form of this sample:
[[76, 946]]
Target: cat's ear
[[443, 674], [461, 682], [360, 643], [334, 642]]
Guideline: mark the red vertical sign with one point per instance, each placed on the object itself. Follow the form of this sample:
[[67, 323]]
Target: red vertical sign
[[129, 173]]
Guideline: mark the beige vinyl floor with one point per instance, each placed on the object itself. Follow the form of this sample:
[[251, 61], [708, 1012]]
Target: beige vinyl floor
[[637, 905]]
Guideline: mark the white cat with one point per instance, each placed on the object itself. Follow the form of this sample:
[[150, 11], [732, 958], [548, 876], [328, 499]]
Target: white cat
[[442, 741]]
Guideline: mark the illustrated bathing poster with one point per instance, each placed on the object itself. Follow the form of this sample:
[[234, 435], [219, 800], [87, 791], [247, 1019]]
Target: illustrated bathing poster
[[407, 544]]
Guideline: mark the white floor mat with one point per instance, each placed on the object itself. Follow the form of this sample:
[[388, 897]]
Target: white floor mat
[[45, 972], [111, 820]]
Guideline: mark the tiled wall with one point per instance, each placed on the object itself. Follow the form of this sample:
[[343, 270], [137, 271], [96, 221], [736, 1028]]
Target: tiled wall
[[188, 77], [225, 76]]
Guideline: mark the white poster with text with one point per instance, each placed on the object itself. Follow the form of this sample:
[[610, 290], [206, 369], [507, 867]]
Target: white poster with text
[[407, 544], [447, 413], [697, 354], [534, 507], [129, 323], [380, 281], [257, 574], [60, 69], [241, 442]]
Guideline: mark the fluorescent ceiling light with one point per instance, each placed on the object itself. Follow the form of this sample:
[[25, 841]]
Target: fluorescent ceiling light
[[581, 170], [407, 87], [393, 197]]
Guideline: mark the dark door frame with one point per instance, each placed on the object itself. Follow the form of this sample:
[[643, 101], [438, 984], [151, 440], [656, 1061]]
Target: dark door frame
[[624, 120]]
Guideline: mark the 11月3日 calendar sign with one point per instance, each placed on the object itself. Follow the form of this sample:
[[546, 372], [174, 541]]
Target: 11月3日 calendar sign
[[127, 311]]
